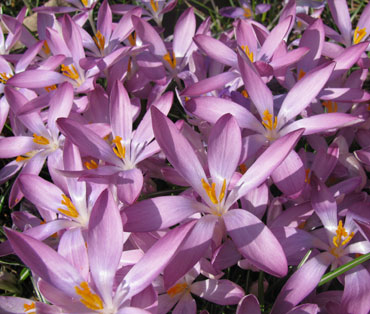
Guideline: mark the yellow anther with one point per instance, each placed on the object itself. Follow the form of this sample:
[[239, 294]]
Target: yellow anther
[[91, 300], [21, 158], [358, 35], [50, 88], [99, 40], [187, 98], [176, 289], [307, 177], [171, 60], [4, 77], [211, 191], [154, 5], [45, 48], [85, 3], [245, 93], [301, 74], [28, 307], [267, 120], [66, 71], [38, 139], [341, 232], [132, 39], [129, 65], [247, 13], [71, 211], [299, 24], [248, 52], [119, 150], [91, 165], [243, 168], [330, 106]]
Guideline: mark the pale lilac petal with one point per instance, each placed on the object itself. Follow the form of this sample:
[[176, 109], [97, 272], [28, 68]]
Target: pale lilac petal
[[154, 261], [212, 108], [105, 244], [344, 94], [191, 251], [301, 283], [129, 185], [305, 309], [321, 122], [186, 305], [72, 37], [45, 78], [256, 242], [257, 90], [339, 11], [289, 176], [16, 145], [364, 21], [363, 155], [159, 213], [224, 148], [28, 57], [14, 305], [356, 294], [125, 26], [146, 299], [245, 35], [178, 151], [104, 22], [223, 292], [249, 304], [216, 50], [9, 170], [256, 200], [303, 92], [45, 262], [264, 166], [184, 32]]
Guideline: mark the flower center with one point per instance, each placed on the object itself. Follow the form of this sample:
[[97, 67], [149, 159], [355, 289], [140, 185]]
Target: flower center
[[28, 307], [99, 40], [91, 300], [71, 209], [171, 60], [211, 191], [337, 240], [247, 12], [358, 35], [4, 77], [72, 74], [132, 39], [330, 106], [119, 150], [267, 120], [50, 88], [248, 52], [91, 164], [176, 289], [38, 139], [154, 5]]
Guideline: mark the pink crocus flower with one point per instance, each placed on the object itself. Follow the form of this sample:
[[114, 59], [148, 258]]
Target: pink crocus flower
[[65, 277], [252, 238]]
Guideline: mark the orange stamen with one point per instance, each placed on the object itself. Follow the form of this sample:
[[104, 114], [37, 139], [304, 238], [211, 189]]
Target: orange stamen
[[71, 211], [176, 289], [99, 40], [248, 52], [38, 139], [358, 35], [171, 61], [267, 116], [91, 300]]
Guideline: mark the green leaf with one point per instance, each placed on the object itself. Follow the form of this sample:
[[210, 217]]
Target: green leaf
[[25, 273], [344, 268]]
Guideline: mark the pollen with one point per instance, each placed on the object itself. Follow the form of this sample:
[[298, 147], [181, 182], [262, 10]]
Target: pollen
[[91, 164], [29, 307], [99, 40], [171, 60], [154, 5], [176, 289], [91, 300], [38, 139], [50, 88], [45, 48], [119, 150], [4, 77], [301, 74], [341, 239], [72, 74], [268, 121], [245, 93], [85, 3], [330, 106], [132, 39], [71, 211], [211, 191], [248, 52], [358, 35], [247, 13]]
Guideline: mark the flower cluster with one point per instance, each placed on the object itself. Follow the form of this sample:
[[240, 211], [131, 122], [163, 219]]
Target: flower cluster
[[262, 166]]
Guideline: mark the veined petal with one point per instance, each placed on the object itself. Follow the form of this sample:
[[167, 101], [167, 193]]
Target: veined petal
[[340, 13], [105, 244], [191, 251], [72, 37], [129, 184], [178, 151], [104, 22], [125, 26], [159, 213], [45, 262], [224, 148], [302, 282], [249, 304], [303, 92], [256, 242], [223, 292], [16, 145], [27, 79], [257, 90], [184, 32]]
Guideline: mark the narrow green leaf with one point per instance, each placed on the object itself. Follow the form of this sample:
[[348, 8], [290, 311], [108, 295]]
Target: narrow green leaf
[[25, 273], [304, 259], [344, 268]]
